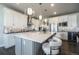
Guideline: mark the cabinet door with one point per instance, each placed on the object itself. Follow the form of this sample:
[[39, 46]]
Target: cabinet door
[[13, 18], [9, 41], [64, 35], [72, 20], [60, 19], [16, 20], [36, 48], [30, 47], [65, 18], [20, 20], [8, 17], [18, 48], [26, 47], [1, 41]]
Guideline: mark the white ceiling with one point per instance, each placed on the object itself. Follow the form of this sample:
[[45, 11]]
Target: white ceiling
[[60, 8]]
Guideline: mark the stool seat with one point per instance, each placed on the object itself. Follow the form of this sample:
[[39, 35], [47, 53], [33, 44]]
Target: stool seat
[[46, 48], [55, 42], [52, 47]]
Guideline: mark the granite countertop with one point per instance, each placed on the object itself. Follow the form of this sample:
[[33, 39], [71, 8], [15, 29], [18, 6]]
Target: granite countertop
[[39, 37]]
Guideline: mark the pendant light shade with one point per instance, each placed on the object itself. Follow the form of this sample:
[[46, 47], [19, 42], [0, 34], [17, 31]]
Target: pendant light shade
[[29, 11], [45, 20]]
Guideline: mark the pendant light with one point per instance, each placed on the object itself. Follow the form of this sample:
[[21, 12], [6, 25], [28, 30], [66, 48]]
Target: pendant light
[[40, 17], [29, 11]]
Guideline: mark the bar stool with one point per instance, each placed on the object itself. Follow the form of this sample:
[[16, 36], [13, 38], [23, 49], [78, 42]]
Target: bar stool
[[52, 47], [58, 35]]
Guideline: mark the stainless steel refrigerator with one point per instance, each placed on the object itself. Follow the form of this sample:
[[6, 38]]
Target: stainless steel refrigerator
[[53, 27]]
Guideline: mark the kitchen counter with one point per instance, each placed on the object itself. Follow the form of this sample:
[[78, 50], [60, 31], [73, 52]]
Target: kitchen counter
[[39, 37]]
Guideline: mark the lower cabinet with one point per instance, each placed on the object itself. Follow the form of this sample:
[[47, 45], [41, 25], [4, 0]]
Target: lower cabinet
[[63, 35], [1, 41], [18, 43], [9, 40], [27, 47]]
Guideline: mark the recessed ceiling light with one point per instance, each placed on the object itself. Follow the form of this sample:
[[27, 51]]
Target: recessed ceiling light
[[52, 5], [55, 13]]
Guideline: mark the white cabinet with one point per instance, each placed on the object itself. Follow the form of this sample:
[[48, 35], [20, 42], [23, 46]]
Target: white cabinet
[[13, 18], [63, 35], [62, 18], [8, 17], [27, 47], [18, 46], [9, 40], [20, 20], [72, 20], [1, 25], [1, 41], [53, 20]]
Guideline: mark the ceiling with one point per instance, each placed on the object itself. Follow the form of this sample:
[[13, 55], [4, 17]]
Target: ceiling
[[45, 9]]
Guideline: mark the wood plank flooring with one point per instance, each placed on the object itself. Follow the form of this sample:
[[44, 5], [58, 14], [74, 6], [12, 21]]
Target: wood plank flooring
[[68, 48]]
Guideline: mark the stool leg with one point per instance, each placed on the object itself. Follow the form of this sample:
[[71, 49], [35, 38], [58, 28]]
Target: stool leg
[[50, 50]]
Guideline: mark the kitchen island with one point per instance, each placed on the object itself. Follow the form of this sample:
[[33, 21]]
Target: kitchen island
[[30, 43]]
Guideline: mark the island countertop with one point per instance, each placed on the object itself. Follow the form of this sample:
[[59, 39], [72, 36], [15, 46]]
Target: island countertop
[[39, 37]]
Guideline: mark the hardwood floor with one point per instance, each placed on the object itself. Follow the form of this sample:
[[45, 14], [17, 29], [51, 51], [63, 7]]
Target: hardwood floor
[[68, 48]]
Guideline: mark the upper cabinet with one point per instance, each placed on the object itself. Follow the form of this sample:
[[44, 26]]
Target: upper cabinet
[[72, 20], [53, 20], [20, 20], [66, 22], [62, 18], [8, 17], [13, 18]]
